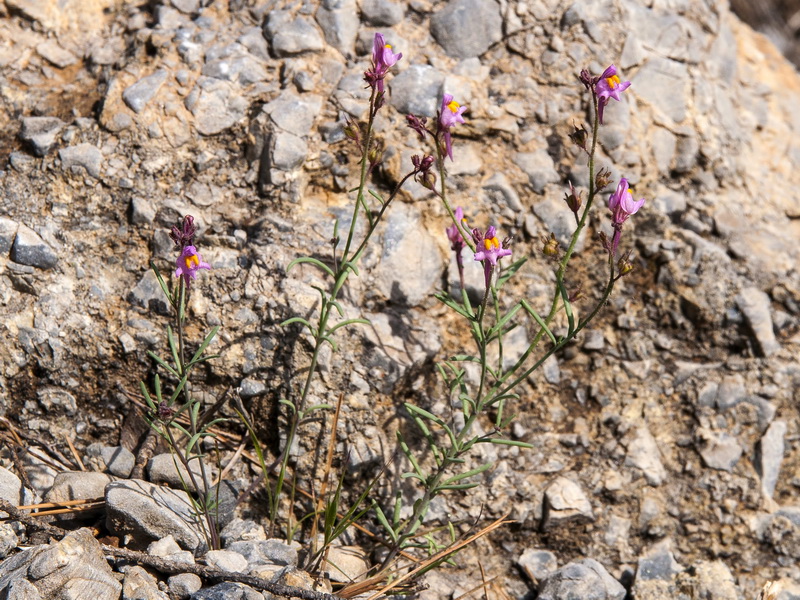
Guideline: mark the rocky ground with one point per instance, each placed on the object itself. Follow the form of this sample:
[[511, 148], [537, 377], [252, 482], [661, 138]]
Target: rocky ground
[[667, 439]]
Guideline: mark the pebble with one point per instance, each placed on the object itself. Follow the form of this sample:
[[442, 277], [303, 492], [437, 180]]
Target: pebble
[[345, 564], [417, 91], [661, 82], [8, 231], [265, 552], [57, 400], [288, 151], [559, 220], [140, 93], [10, 487], [142, 211], [339, 22], [166, 468], [537, 564], [643, 454], [586, 579], [41, 133], [718, 450], [30, 249], [151, 512], [119, 461], [755, 306], [294, 114], [8, 538], [216, 105], [227, 591], [770, 455], [148, 294], [168, 548], [565, 501], [241, 530], [382, 13], [499, 190], [467, 28], [289, 35], [140, 585], [227, 560], [82, 155], [78, 485], [184, 585], [731, 391]]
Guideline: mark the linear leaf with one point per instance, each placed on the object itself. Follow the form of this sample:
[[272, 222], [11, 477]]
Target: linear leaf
[[163, 363], [348, 322], [539, 320], [312, 261], [469, 473]]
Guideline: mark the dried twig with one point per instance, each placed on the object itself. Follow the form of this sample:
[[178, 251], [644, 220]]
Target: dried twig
[[172, 567]]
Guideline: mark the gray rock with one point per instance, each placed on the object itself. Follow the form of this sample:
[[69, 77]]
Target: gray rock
[[53, 399], [537, 564], [731, 391], [52, 52], [151, 512], [662, 83], [565, 501], [216, 105], [643, 454], [382, 13], [498, 188], [755, 306], [253, 40], [781, 530], [30, 249], [239, 530], [659, 564], [148, 294], [142, 211], [410, 265], [10, 487], [140, 93], [8, 539], [541, 170], [770, 456], [78, 485], [167, 547], [294, 114], [184, 585], [8, 231], [82, 155], [339, 22], [586, 579], [41, 133], [227, 560], [166, 468], [249, 388], [467, 28], [119, 461], [22, 589], [141, 585], [288, 151], [289, 35], [265, 552], [417, 91], [188, 7], [669, 202], [714, 580], [245, 69], [227, 591], [718, 450], [663, 144], [593, 340], [346, 564], [74, 567]]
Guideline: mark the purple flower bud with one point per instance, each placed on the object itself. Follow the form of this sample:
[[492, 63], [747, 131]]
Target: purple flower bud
[[622, 206], [449, 116], [417, 124], [383, 58], [184, 235]]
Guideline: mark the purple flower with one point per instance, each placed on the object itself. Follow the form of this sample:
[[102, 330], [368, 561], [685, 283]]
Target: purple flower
[[184, 235], [383, 58], [189, 262], [608, 86], [490, 250], [622, 205], [449, 115]]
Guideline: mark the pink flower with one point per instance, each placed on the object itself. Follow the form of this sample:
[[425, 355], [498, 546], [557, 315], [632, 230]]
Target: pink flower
[[490, 250], [188, 263], [449, 115], [383, 58], [622, 205], [608, 86]]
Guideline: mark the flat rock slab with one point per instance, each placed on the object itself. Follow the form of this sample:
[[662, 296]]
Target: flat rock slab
[[150, 512]]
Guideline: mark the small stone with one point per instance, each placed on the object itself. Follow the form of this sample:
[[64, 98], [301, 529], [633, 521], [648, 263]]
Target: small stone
[[658, 564], [239, 530], [184, 585], [78, 485], [770, 456], [249, 388], [266, 552], [166, 468], [188, 7], [755, 306], [565, 501], [8, 539], [22, 589], [148, 294], [558, 220], [288, 151], [416, 91], [142, 211], [661, 82], [151, 512], [594, 340], [140, 93], [119, 461], [41, 133], [52, 52], [289, 35], [644, 455], [467, 28], [731, 391], [537, 564], [140, 585], [294, 114], [8, 231], [339, 22], [227, 591], [30, 249], [382, 13], [718, 450], [53, 399], [216, 105], [10, 487], [346, 564], [226, 560], [714, 580], [167, 547], [82, 155], [586, 579], [499, 189]]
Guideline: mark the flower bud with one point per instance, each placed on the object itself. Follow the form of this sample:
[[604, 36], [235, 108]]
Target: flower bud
[[579, 136], [573, 199], [624, 265], [550, 247], [602, 179]]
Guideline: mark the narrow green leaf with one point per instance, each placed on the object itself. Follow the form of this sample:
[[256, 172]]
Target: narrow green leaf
[[173, 347], [348, 322], [567, 307], [412, 408], [208, 339], [446, 299], [157, 386], [163, 363], [325, 338], [457, 486], [466, 358], [506, 318], [539, 320], [469, 473], [298, 320], [311, 261], [385, 523], [377, 197], [314, 407], [502, 442], [338, 307], [146, 395], [162, 283], [178, 389], [509, 272]]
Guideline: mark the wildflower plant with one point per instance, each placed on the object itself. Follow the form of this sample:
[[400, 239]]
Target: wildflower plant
[[176, 415]]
